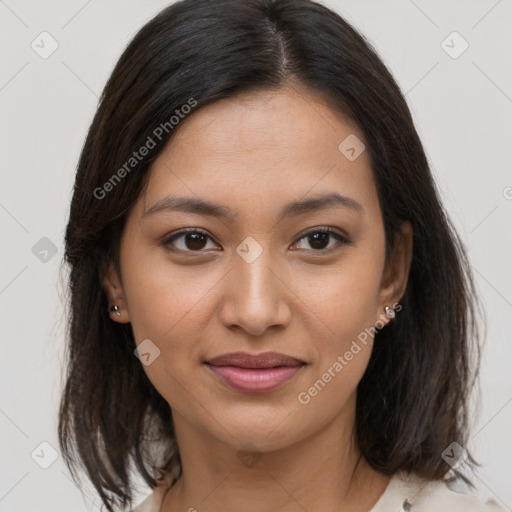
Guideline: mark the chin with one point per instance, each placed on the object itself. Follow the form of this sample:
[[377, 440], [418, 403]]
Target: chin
[[263, 427]]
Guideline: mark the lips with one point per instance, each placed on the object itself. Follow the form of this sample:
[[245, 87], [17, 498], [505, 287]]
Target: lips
[[253, 373], [246, 360]]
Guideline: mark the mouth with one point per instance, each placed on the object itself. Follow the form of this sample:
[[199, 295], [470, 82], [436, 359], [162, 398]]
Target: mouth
[[254, 373]]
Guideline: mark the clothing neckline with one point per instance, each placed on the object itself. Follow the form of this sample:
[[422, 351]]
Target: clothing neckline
[[403, 491], [400, 493]]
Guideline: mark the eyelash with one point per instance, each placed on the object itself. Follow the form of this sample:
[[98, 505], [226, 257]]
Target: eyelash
[[342, 240]]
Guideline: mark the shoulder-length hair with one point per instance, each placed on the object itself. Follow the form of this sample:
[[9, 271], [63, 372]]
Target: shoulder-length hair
[[412, 401]]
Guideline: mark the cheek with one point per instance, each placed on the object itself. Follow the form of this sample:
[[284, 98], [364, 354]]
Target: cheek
[[161, 296], [166, 305], [341, 351], [346, 298], [346, 301]]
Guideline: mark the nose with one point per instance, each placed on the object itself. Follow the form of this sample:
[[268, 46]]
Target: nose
[[256, 297]]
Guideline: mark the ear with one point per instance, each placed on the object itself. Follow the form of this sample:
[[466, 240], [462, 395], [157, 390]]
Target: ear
[[396, 273], [113, 289]]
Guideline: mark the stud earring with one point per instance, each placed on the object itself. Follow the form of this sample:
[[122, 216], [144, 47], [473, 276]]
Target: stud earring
[[390, 312], [115, 309]]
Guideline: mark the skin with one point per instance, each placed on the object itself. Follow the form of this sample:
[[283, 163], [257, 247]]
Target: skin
[[255, 153]]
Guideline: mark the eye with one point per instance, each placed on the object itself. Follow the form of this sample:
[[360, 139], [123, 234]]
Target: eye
[[196, 240], [190, 240], [319, 239]]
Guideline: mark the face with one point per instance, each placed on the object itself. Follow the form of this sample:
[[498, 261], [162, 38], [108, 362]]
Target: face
[[291, 259]]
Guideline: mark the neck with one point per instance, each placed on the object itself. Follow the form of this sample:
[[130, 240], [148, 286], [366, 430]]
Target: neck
[[324, 471]]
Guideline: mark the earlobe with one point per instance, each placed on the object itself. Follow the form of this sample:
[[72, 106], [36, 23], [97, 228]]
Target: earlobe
[[113, 289], [114, 309], [390, 312]]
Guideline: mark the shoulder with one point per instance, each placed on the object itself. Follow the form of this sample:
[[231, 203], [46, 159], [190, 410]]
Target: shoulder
[[153, 502], [407, 492]]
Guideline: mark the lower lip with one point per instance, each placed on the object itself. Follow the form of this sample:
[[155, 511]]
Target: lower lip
[[254, 380]]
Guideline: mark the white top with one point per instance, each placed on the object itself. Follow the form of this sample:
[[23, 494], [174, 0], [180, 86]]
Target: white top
[[405, 492]]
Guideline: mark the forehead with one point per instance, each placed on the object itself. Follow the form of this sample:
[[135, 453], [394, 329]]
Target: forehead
[[262, 147], [289, 120]]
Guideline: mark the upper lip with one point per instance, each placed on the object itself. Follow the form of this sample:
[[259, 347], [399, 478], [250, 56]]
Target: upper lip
[[247, 360]]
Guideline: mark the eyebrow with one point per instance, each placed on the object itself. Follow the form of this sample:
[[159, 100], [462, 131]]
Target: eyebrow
[[201, 207]]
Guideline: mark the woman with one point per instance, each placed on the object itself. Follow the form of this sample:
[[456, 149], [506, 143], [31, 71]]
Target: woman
[[269, 307]]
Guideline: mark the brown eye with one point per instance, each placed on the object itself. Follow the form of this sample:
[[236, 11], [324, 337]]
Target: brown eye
[[319, 239], [196, 240], [189, 240]]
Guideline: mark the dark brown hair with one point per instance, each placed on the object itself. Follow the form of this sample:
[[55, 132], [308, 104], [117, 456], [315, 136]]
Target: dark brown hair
[[412, 401]]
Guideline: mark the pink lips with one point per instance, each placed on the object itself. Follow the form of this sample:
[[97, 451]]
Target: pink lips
[[254, 373]]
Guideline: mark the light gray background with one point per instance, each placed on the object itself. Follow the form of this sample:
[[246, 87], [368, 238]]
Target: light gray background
[[463, 111]]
